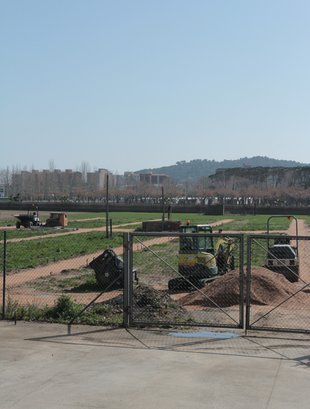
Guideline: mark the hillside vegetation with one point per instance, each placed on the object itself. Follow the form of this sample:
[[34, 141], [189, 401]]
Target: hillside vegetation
[[184, 171]]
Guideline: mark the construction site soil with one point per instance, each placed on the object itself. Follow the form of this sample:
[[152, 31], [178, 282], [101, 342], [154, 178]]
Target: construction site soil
[[152, 304], [267, 288]]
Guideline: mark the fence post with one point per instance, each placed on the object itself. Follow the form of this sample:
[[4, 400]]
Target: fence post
[[111, 226], [241, 282], [248, 283], [4, 276], [127, 280]]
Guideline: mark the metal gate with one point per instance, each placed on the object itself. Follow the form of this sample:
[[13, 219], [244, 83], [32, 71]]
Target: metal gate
[[278, 283], [152, 300], [3, 268]]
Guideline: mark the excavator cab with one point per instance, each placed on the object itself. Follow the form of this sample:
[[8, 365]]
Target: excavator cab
[[196, 251], [194, 244], [201, 258], [196, 259]]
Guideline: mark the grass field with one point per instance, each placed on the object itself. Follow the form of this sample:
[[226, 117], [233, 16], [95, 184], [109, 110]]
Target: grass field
[[95, 219], [28, 254], [156, 265]]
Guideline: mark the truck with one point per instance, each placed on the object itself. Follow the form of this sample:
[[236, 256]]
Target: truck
[[31, 219], [282, 256], [27, 220]]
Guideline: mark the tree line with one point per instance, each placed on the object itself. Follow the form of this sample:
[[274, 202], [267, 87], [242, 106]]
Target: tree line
[[205, 191]]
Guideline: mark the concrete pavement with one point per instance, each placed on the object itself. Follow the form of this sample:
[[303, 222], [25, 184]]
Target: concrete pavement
[[43, 367]]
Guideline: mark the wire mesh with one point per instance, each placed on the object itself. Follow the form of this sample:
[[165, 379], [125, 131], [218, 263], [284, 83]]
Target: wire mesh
[[197, 287], [278, 288], [50, 277]]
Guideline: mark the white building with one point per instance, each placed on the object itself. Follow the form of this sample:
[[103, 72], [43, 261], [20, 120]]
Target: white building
[[2, 191]]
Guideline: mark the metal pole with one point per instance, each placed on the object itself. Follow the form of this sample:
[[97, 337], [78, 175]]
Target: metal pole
[[241, 281], [248, 284], [163, 206], [107, 208], [4, 276], [111, 228], [127, 281]]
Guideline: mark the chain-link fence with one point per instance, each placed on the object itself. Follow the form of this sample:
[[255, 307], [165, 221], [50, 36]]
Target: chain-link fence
[[278, 283], [3, 269], [53, 277], [156, 279], [189, 280], [79, 277]]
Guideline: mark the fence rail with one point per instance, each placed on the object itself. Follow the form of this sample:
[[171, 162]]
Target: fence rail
[[169, 295], [278, 284], [52, 278]]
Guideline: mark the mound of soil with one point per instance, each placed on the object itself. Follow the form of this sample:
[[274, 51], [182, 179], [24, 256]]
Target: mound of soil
[[267, 288], [152, 304]]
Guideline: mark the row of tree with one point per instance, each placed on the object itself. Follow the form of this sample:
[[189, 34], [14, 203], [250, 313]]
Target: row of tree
[[201, 192]]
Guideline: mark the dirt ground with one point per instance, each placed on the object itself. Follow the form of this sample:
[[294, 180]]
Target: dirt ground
[[224, 295], [19, 285], [274, 301]]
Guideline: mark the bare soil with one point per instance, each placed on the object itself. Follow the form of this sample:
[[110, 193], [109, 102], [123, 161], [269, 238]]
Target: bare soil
[[268, 288]]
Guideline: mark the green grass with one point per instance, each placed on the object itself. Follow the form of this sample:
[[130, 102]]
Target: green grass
[[29, 254], [241, 223], [25, 233], [85, 215], [306, 219], [257, 223], [99, 220], [80, 282], [125, 218], [7, 222], [117, 217], [64, 310], [49, 249], [197, 218], [157, 259], [87, 224]]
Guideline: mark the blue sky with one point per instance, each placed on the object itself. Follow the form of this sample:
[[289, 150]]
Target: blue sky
[[127, 85]]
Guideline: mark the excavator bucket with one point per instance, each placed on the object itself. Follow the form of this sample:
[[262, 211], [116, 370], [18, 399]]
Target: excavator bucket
[[109, 270]]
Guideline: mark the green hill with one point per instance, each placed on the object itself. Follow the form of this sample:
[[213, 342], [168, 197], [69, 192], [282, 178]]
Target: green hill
[[190, 171]]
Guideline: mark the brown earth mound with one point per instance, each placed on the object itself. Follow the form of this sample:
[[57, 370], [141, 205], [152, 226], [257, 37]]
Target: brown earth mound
[[267, 288], [152, 304]]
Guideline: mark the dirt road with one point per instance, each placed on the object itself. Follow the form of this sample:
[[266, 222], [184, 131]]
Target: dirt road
[[17, 281], [18, 278]]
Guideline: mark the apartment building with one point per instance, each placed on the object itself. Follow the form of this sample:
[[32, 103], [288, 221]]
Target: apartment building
[[153, 178]]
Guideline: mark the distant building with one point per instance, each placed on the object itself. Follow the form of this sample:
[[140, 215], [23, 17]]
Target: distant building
[[130, 179], [2, 191], [45, 183], [97, 180], [153, 178]]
